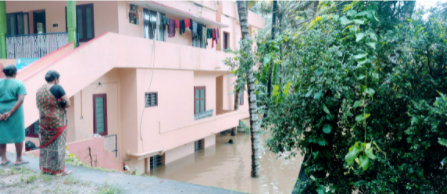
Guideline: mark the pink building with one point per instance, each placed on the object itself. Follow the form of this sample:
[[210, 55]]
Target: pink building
[[126, 65]]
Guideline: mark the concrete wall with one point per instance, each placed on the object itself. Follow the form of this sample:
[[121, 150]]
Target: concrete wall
[[100, 157], [179, 152]]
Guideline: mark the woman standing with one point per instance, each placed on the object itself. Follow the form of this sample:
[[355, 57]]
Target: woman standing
[[12, 122], [51, 102]]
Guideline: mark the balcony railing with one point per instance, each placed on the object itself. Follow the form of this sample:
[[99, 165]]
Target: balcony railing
[[34, 45]]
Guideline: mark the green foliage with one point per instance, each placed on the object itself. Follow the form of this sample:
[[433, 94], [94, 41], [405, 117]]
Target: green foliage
[[358, 92]]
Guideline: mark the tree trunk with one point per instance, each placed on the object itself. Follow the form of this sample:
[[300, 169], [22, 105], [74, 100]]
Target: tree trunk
[[236, 107], [274, 18], [254, 129]]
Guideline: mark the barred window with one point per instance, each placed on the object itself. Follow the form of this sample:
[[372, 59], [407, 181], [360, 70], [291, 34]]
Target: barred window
[[151, 99]]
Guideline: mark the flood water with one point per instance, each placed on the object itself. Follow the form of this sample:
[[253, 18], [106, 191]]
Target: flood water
[[229, 166]]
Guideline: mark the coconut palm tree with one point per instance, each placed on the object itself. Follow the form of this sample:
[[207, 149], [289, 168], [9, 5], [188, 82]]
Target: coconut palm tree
[[250, 80]]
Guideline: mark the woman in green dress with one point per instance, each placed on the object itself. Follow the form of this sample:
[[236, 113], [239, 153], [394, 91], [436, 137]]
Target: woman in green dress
[[12, 122]]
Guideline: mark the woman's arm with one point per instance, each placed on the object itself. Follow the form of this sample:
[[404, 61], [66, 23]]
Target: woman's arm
[[14, 108], [67, 100]]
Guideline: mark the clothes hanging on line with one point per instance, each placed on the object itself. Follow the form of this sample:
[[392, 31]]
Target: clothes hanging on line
[[213, 37], [165, 20], [209, 33], [171, 28], [177, 24], [193, 29], [217, 36], [204, 36], [187, 23], [182, 27]]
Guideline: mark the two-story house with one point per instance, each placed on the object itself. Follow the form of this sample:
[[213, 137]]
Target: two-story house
[[156, 95]]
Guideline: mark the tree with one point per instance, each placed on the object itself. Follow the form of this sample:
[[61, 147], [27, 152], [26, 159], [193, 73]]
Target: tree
[[246, 61], [358, 82]]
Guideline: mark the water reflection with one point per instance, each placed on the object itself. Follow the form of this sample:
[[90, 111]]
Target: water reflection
[[228, 166]]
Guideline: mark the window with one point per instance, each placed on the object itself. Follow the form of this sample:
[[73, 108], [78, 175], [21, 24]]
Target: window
[[84, 22], [151, 99], [198, 145], [226, 36], [155, 161], [199, 99], [33, 130], [100, 114], [151, 29], [17, 23]]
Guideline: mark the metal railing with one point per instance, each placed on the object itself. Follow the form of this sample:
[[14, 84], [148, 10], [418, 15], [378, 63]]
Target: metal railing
[[111, 144], [34, 45]]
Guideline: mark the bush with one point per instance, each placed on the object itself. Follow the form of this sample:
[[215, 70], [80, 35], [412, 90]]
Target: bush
[[362, 101]]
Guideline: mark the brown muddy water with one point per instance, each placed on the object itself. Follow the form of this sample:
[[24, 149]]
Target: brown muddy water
[[229, 166]]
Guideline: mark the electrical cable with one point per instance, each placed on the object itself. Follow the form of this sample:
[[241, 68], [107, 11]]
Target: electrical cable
[[150, 83]]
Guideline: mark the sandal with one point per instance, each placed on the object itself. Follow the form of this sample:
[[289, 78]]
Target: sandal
[[65, 173], [7, 162], [23, 162]]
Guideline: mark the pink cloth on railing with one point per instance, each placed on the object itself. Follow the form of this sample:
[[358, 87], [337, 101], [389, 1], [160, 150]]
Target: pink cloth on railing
[[2, 75], [217, 36]]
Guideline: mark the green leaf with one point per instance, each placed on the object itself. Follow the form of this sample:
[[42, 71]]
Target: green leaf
[[360, 118], [370, 91], [321, 189], [327, 154], [359, 56], [275, 73], [372, 45], [357, 21], [267, 59], [325, 109], [309, 93], [286, 89], [336, 17], [318, 95], [275, 93], [359, 36], [364, 162], [361, 77], [357, 103], [327, 128], [322, 141], [373, 36], [362, 62], [345, 21], [362, 13], [370, 153], [352, 13], [330, 117], [319, 72], [352, 154], [315, 154]]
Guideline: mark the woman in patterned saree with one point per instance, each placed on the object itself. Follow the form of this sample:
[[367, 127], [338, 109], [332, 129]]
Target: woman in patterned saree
[[51, 102]]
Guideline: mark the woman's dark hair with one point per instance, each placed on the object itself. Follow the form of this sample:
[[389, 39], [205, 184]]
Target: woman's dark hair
[[10, 70], [51, 75]]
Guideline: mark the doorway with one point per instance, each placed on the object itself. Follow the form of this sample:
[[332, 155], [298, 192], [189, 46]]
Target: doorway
[[39, 21]]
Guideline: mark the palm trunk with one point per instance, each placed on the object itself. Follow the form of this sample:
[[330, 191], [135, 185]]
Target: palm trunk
[[236, 107], [254, 129]]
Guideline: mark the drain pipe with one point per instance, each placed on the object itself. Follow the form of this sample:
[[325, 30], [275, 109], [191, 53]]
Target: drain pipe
[[140, 156]]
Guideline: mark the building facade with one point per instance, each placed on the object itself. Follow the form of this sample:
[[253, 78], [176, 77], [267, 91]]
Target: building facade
[[154, 97]]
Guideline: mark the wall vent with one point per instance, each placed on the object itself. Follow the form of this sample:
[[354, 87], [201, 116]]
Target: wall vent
[[155, 161]]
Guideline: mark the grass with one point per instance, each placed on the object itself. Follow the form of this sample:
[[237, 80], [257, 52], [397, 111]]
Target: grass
[[71, 181], [109, 189], [29, 179]]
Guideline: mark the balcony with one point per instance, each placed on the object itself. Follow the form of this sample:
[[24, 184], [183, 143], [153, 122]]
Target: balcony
[[34, 45]]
